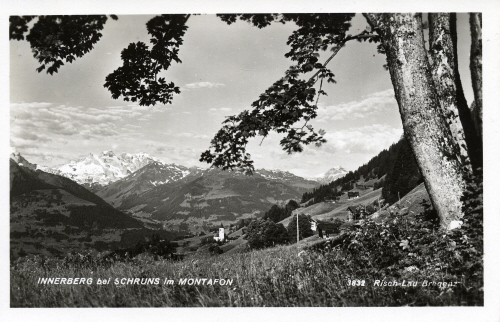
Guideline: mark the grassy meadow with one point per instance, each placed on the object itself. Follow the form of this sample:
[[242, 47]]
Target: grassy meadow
[[318, 275]]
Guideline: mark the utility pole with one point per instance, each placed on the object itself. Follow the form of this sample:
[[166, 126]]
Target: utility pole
[[297, 229]]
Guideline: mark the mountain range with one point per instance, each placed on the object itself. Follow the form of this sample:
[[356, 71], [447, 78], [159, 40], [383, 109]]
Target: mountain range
[[96, 171], [109, 194], [207, 196], [101, 169]]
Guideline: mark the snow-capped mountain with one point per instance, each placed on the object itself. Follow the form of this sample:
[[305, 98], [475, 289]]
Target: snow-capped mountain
[[153, 174], [20, 160], [103, 168], [45, 202], [331, 175], [287, 178]]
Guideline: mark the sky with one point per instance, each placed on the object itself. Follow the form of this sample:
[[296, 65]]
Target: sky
[[55, 119]]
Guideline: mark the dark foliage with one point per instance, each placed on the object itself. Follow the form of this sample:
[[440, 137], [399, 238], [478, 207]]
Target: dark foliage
[[243, 222], [277, 213], [304, 228], [289, 100], [55, 39], [322, 193], [402, 246], [137, 80], [265, 233], [396, 163], [404, 175], [214, 249], [152, 244]]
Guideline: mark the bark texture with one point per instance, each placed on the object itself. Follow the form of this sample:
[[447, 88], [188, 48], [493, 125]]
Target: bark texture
[[476, 67], [424, 125], [473, 137], [444, 74]]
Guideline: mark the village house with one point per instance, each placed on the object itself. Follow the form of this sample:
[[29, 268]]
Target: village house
[[324, 229], [331, 199], [352, 194], [364, 185]]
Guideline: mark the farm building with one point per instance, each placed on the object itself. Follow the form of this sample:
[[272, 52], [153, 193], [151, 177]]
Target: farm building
[[331, 199], [352, 194], [324, 229]]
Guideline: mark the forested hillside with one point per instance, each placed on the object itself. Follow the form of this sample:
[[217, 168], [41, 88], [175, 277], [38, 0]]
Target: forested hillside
[[394, 169]]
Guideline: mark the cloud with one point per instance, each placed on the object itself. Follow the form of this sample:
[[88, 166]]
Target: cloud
[[202, 85], [220, 109], [182, 155], [369, 139], [373, 104], [20, 143], [29, 120], [35, 123], [46, 156], [190, 135], [31, 104]]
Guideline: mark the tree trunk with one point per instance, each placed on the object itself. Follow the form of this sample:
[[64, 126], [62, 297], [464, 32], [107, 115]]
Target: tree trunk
[[442, 62], [476, 68], [473, 136], [424, 125]]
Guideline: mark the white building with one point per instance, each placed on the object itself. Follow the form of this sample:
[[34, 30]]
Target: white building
[[221, 235]]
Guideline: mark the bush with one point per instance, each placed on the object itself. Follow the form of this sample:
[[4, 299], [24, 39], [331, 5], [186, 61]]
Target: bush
[[265, 233], [214, 249]]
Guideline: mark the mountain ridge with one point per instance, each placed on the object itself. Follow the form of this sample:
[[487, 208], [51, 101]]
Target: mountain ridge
[[331, 175], [102, 168]]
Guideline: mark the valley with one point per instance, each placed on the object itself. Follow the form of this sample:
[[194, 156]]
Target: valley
[[58, 211]]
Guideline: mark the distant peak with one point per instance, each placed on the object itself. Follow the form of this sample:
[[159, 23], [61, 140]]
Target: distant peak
[[332, 174], [108, 153]]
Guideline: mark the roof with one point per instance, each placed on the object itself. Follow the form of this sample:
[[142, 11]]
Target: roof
[[328, 225]]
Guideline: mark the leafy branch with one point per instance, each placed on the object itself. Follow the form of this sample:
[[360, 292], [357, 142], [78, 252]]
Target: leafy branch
[[58, 39], [137, 79], [288, 100]]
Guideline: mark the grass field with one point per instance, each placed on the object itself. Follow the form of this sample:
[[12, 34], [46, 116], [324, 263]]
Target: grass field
[[280, 276]]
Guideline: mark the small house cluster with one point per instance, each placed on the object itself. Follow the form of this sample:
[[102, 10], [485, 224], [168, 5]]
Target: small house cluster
[[324, 229]]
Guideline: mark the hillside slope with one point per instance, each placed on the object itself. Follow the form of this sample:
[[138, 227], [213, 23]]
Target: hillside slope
[[214, 196], [52, 215]]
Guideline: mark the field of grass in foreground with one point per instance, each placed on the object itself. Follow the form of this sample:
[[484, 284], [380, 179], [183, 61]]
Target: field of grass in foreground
[[280, 276]]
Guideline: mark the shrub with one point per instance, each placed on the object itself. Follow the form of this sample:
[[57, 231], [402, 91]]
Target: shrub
[[265, 233], [214, 249]]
